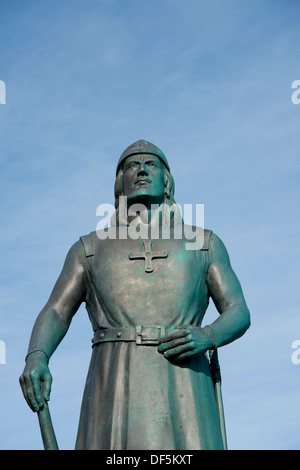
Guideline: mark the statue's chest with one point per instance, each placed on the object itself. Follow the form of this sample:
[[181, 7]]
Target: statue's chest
[[135, 269]]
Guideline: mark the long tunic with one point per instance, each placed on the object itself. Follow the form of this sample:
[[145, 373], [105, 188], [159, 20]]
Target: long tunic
[[134, 397]]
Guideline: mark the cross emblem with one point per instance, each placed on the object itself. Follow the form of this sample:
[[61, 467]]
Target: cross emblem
[[148, 255]]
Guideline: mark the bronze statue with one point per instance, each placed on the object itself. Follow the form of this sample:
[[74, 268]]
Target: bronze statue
[[150, 384]]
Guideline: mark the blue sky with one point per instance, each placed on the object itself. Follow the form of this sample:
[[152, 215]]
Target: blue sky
[[209, 82]]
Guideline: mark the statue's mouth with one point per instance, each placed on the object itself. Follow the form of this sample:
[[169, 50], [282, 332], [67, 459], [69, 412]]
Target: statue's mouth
[[142, 181]]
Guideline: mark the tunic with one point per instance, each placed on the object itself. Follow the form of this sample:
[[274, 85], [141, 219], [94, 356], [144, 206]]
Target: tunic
[[134, 397]]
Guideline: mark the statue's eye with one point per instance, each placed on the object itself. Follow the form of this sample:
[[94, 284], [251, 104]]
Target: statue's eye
[[131, 165], [152, 165]]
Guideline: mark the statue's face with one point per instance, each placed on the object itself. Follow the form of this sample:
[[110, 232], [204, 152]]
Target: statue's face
[[143, 179]]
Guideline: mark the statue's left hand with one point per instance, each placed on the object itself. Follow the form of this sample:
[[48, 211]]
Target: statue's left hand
[[186, 342]]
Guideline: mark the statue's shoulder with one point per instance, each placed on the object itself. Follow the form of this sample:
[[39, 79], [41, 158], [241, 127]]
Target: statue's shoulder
[[203, 235], [217, 249], [206, 238], [89, 242]]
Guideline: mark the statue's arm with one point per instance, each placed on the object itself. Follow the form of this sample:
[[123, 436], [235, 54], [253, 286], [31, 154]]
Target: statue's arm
[[51, 326], [226, 292], [68, 293]]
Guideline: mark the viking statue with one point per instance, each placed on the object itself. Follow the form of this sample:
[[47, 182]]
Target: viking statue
[[150, 384]]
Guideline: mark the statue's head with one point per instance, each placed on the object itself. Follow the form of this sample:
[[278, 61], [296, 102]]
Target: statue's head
[[143, 175]]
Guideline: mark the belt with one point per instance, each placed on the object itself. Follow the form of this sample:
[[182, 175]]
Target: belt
[[142, 335]]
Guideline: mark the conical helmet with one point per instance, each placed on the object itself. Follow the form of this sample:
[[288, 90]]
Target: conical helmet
[[142, 147]]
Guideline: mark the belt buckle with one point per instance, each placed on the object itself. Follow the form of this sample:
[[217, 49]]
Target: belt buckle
[[149, 334]]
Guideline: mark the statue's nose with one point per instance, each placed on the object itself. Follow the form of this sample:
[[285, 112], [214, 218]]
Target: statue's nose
[[143, 170]]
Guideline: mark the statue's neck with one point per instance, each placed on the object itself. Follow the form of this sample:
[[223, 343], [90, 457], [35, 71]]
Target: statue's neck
[[156, 215]]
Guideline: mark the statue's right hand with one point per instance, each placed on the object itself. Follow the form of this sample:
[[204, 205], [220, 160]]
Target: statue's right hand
[[36, 380]]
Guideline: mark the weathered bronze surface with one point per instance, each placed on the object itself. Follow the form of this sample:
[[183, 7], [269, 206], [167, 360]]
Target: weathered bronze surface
[[150, 384], [148, 255]]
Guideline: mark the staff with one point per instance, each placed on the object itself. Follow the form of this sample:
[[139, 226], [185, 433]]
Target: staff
[[46, 426], [216, 374]]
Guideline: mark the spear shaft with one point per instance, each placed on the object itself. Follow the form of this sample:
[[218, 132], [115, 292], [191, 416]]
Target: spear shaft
[[216, 375], [46, 427]]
